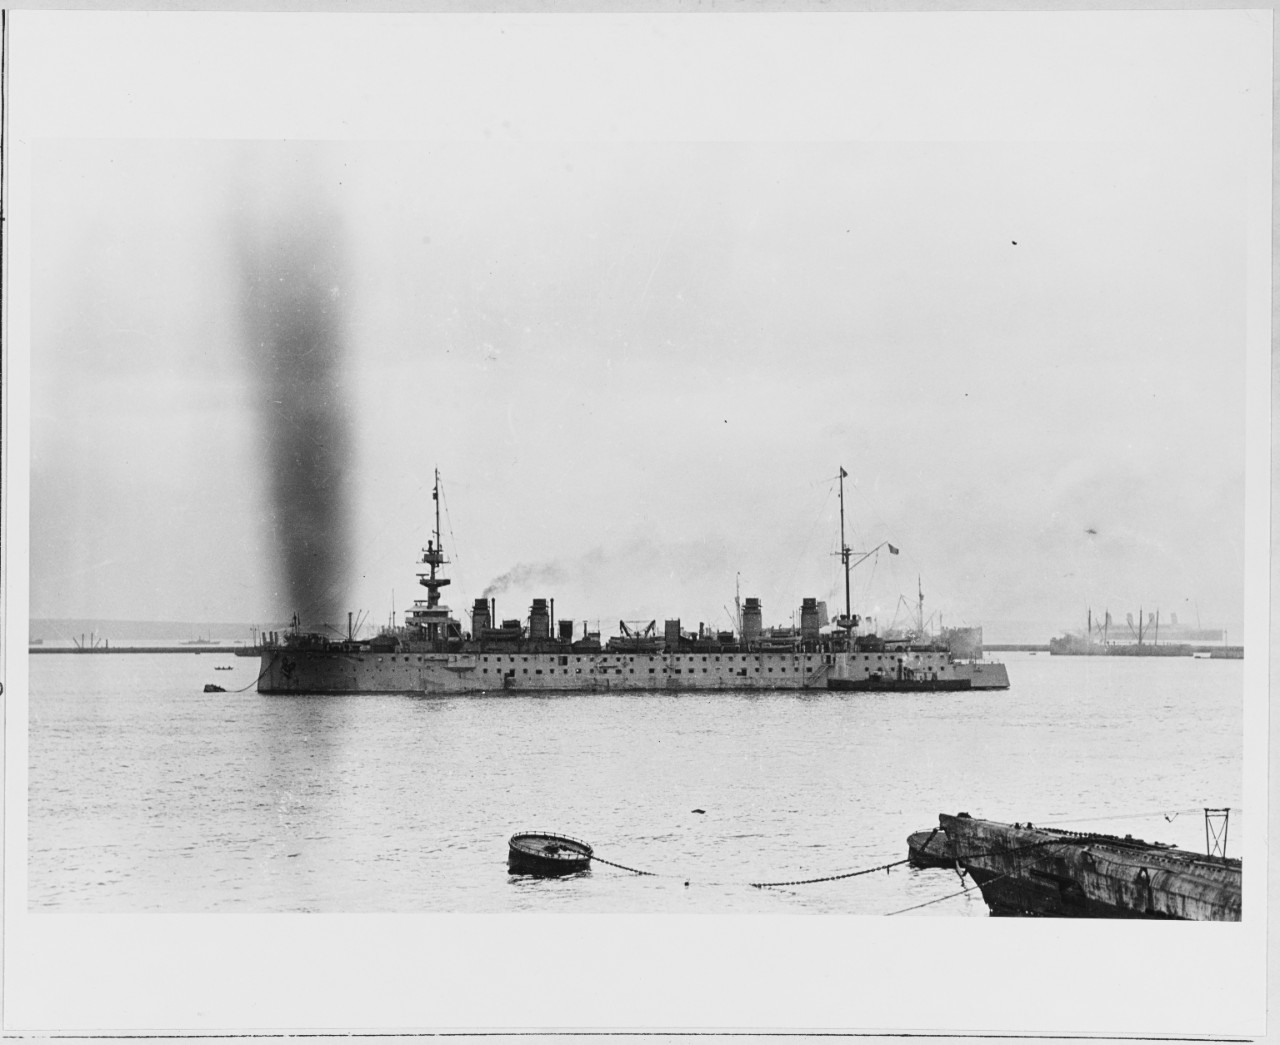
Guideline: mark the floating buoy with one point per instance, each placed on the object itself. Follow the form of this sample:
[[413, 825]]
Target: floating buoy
[[546, 855], [209, 687], [699, 810]]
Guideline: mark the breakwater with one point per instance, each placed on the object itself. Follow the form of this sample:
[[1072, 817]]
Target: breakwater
[[245, 651]]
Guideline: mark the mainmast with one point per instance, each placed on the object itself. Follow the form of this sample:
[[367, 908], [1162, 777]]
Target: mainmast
[[847, 622], [920, 603], [737, 603], [433, 555]]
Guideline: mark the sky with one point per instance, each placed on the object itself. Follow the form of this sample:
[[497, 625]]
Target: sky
[[639, 366]]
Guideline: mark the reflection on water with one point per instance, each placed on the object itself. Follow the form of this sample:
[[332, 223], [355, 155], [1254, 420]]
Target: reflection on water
[[148, 795]]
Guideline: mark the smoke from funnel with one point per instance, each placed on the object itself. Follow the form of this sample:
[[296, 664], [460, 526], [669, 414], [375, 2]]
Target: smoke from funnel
[[292, 307], [544, 573]]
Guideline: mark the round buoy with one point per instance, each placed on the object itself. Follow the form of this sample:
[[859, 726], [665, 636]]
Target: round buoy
[[546, 855]]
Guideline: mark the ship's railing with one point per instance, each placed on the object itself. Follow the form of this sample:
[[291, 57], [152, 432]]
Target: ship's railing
[[552, 834]]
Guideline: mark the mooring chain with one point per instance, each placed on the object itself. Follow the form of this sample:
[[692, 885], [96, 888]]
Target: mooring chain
[[624, 867], [258, 679], [754, 885], [1003, 851], [828, 878]]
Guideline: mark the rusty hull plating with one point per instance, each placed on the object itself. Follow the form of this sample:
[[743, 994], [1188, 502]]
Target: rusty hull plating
[[1026, 870]]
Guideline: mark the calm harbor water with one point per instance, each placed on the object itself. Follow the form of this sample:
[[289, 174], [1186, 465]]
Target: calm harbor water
[[146, 794]]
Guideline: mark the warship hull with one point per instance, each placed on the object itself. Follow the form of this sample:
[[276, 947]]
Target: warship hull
[[1023, 870], [339, 670], [930, 849]]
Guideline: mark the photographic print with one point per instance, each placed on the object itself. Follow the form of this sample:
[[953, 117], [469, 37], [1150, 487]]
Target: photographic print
[[796, 479]]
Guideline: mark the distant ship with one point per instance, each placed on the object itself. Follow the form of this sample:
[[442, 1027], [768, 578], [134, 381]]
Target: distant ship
[[431, 653], [1098, 640]]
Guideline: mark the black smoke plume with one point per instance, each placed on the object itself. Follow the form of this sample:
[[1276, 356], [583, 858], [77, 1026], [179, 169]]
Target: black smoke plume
[[522, 573], [292, 306]]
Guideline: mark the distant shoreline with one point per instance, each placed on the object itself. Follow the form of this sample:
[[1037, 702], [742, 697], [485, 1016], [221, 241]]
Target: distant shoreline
[[152, 632], [246, 650]]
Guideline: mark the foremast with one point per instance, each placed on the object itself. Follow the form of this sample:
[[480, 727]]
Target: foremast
[[433, 555], [431, 618]]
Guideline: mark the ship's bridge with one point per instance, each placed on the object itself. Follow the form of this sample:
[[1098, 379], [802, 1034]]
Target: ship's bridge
[[434, 623]]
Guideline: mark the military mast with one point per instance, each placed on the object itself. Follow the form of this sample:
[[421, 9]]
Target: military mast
[[848, 621], [433, 555], [430, 616]]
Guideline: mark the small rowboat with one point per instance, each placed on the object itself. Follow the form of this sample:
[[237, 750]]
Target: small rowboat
[[546, 855]]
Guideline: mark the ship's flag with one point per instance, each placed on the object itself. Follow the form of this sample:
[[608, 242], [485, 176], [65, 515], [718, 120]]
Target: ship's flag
[[843, 474], [893, 550]]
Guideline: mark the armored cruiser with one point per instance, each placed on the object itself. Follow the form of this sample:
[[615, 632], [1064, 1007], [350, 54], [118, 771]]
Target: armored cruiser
[[432, 653]]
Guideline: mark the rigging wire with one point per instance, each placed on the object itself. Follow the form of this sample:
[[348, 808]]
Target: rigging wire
[[832, 877], [1168, 814], [400, 531], [903, 552], [800, 556], [458, 571], [332, 589], [949, 896], [808, 881]]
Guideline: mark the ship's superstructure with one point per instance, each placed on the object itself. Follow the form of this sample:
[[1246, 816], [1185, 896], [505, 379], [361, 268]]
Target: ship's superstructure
[[433, 653]]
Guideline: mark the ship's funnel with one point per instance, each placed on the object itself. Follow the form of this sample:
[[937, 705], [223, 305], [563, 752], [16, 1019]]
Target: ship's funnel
[[752, 620], [810, 620], [539, 620], [479, 617]]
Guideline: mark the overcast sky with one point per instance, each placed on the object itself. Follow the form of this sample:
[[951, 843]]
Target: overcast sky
[[639, 366]]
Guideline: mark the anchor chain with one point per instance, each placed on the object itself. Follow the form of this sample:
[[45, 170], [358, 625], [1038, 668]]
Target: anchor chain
[[623, 867], [827, 878]]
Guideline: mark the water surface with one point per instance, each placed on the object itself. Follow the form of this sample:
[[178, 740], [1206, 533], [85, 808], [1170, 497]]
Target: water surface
[[146, 794]]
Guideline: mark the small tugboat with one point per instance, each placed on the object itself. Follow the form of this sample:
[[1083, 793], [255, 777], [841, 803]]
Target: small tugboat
[[546, 855]]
